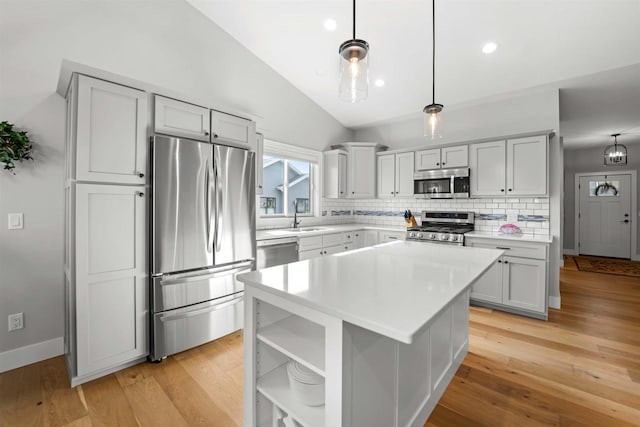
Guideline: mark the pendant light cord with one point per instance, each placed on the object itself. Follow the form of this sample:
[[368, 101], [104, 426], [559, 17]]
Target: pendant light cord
[[354, 19], [433, 50]]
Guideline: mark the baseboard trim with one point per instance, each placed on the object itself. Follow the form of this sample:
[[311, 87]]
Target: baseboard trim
[[554, 302], [23, 356], [570, 252]]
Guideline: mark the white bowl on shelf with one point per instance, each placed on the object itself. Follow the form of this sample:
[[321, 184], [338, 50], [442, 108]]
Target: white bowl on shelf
[[306, 386]]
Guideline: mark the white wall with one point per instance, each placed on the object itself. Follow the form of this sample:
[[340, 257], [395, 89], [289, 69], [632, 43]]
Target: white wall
[[166, 43], [590, 160], [523, 113]]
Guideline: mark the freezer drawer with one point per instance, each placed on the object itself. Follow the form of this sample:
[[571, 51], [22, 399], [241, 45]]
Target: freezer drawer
[[179, 290], [178, 330]]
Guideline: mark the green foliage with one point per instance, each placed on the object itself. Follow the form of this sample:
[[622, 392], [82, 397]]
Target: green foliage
[[14, 146]]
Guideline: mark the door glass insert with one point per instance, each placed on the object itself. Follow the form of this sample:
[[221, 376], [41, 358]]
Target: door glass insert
[[608, 188]]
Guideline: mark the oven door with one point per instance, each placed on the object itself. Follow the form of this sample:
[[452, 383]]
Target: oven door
[[433, 188]]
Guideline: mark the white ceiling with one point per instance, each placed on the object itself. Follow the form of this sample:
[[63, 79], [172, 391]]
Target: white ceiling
[[541, 42]]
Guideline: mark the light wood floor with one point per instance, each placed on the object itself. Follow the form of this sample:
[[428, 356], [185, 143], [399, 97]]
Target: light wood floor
[[581, 368]]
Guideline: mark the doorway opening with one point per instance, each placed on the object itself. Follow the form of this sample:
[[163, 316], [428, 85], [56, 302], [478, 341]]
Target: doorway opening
[[605, 214]]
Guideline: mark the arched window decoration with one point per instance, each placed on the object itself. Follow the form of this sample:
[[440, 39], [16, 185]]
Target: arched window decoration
[[603, 189]]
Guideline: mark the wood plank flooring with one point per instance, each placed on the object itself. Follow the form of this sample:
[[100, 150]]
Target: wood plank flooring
[[581, 368]]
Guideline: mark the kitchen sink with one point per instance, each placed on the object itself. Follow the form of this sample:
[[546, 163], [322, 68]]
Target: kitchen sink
[[297, 230]]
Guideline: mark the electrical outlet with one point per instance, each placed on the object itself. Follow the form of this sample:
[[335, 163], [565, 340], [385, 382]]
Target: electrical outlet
[[16, 321]]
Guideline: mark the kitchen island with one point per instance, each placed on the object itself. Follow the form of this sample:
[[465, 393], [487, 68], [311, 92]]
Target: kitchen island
[[386, 326]]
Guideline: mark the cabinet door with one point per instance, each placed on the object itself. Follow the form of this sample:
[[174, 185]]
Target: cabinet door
[[524, 283], [371, 237], [487, 163], [527, 166], [455, 157], [362, 173], [404, 175], [342, 175], [111, 143], [488, 287], [330, 250], [259, 159], [358, 239], [386, 176], [391, 236], [427, 159], [311, 253], [231, 128], [177, 118], [111, 283]]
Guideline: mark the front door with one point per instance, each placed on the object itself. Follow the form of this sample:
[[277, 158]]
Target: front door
[[605, 221]]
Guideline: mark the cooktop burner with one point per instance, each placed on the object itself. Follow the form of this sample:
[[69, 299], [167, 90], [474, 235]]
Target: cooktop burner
[[443, 227]]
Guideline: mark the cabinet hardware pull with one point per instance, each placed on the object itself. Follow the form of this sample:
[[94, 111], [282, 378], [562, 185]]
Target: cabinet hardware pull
[[392, 192], [438, 164], [215, 135], [141, 175], [510, 190], [320, 252], [506, 262], [499, 261], [259, 186], [503, 248], [141, 194], [443, 163], [206, 133], [502, 189], [625, 221]]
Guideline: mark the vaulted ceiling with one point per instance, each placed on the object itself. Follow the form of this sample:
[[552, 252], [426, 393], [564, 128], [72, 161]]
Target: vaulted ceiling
[[540, 42]]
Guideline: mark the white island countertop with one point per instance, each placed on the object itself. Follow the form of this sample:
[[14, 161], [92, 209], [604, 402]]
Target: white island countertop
[[393, 289], [278, 233], [522, 237]]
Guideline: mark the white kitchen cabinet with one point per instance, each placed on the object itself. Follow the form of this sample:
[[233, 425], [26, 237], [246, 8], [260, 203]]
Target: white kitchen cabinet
[[514, 282], [106, 132], [487, 162], [454, 157], [516, 167], [229, 128], [335, 174], [259, 159], [440, 158], [111, 299], [391, 236], [527, 169], [361, 182], [370, 238], [181, 119], [358, 239], [395, 175]]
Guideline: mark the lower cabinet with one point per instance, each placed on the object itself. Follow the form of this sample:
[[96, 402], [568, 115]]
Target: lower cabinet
[[108, 295], [514, 282], [329, 244]]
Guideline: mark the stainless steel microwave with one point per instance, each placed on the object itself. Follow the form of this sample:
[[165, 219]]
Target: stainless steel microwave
[[442, 184]]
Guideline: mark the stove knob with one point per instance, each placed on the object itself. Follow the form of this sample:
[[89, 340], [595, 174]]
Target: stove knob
[[419, 235], [432, 236], [453, 238], [412, 235], [444, 237]]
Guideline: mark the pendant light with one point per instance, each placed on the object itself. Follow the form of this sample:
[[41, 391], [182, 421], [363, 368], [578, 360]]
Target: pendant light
[[354, 67], [433, 111], [616, 154]]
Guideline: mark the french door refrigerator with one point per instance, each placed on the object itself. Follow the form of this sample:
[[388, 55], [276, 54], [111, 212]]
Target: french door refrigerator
[[202, 237]]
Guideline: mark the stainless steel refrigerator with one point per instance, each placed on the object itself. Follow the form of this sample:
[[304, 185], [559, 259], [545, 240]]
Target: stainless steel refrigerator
[[203, 235]]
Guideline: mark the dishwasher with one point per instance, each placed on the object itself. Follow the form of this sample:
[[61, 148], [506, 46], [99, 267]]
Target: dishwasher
[[279, 251]]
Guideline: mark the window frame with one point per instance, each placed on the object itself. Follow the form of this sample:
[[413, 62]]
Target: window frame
[[289, 152]]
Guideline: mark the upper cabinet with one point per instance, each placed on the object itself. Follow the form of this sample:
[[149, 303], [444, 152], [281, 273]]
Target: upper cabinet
[[177, 118], [225, 127], [487, 163], [107, 132], [335, 174], [259, 153], [395, 175], [361, 170], [516, 167], [527, 168], [446, 157]]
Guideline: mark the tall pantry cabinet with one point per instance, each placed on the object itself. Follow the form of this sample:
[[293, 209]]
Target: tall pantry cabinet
[[105, 255]]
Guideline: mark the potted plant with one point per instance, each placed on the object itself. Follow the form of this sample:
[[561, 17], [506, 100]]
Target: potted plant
[[14, 146]]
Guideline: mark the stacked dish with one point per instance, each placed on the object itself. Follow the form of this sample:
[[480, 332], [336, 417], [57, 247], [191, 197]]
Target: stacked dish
[[306, 385]]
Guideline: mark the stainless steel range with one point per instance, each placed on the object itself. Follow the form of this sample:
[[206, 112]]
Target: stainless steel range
[[442, 227]]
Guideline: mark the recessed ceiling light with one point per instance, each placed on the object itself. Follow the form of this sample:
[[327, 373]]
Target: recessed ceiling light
[[379, 82], [330, 24], [489, 47]]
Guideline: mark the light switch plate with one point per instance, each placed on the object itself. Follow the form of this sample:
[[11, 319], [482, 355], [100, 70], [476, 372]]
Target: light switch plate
[[16, 221]]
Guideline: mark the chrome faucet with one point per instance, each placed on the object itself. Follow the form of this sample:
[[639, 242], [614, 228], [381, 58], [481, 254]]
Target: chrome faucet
[[295, 214]]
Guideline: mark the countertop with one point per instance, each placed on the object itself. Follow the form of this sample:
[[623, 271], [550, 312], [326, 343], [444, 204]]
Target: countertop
[[393, 289], [535, 238], [279, 233]]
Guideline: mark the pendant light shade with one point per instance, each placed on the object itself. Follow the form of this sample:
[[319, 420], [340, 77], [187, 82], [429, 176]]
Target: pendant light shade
[[354, 67], [433, 123], [616, 154]]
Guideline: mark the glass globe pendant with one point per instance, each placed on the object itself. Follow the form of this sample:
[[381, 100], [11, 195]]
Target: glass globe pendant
[[433, 125], [354, 67]]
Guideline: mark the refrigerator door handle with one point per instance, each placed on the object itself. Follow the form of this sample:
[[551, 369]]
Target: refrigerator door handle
[[219, 196], [210, 308], [207, 192]]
